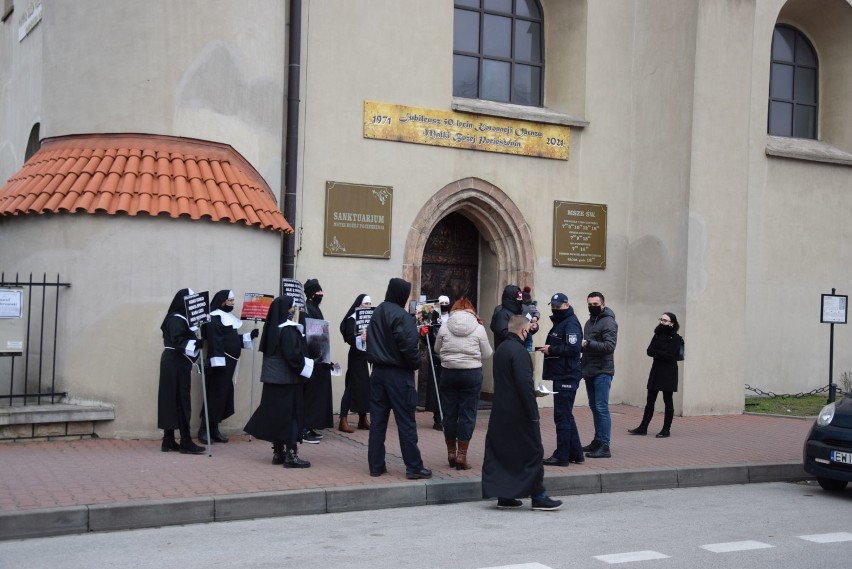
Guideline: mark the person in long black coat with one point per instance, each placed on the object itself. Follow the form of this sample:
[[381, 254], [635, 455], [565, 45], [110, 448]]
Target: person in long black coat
[[356, 393], [224, 347], [319, 407], [286, 367], [665, 348], [180, 349], [512, 467]]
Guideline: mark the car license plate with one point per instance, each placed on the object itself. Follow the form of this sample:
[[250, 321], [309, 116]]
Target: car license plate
[[841, 457]]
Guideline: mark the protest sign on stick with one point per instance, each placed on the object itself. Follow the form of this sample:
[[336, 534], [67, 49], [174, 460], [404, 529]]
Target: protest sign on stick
[[294, 289], [256, 306]]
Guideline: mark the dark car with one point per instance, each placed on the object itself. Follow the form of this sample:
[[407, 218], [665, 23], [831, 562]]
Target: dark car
[[828, 448]]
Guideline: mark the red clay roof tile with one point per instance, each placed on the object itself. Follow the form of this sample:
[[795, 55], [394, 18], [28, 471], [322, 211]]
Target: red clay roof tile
[[137, 173]]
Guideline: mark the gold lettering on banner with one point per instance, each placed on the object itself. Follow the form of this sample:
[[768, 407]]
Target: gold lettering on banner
[[579, 235], [386, 121]]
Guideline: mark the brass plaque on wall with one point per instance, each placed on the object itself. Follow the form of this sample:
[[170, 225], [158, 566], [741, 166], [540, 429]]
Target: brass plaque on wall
[[357, 220], [399, 123], [579, 235]]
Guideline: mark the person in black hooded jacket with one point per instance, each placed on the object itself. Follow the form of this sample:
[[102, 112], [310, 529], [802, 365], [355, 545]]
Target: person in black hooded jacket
[[511, 303], [319, 412], [393, 349]]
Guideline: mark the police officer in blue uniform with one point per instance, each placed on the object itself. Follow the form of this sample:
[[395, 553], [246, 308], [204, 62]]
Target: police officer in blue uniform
[[562, 367]]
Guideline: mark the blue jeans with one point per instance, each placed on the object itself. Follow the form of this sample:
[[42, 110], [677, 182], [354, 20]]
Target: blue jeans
[[597, 388]]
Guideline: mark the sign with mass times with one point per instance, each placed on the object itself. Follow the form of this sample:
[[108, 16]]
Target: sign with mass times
[[579, 235]]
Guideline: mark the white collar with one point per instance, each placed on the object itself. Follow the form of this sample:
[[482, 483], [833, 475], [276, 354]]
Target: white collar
[[228, 319], [291, 323]]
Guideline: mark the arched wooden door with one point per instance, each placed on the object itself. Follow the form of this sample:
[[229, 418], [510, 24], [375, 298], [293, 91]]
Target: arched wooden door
[[451, 260]]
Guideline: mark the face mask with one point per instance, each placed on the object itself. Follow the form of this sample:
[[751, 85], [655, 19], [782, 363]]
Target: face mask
[[317, 299], [595, 311], [444, 309], [227, 308]]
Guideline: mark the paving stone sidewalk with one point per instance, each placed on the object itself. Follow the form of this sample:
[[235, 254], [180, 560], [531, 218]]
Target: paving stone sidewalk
[[84, 478]]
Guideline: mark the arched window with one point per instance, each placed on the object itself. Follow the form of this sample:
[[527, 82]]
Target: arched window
[[793, 85], [498, 51]]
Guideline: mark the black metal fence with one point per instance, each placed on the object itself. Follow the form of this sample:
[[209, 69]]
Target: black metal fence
[[31, 377]]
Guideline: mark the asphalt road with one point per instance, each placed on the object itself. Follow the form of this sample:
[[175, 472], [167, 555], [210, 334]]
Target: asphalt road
[[776, 525]]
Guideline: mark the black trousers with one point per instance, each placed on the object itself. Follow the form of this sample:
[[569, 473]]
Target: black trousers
[[392, 389]]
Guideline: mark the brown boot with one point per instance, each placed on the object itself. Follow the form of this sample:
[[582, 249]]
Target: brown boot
[[363, 422], [451, 452], [461, 456], [343, 425]]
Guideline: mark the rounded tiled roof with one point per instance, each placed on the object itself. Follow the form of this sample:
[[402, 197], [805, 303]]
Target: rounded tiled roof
[[134, 174]]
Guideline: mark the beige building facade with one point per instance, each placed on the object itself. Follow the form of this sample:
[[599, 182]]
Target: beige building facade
[[736, 231]]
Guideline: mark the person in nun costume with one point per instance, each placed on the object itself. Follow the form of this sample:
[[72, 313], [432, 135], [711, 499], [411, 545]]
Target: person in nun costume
[[356, 395], [224, 346], [286, 367], [180, 350]]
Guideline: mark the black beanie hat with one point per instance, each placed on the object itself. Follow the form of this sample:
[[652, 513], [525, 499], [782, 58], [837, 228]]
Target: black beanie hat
[[312, 287]]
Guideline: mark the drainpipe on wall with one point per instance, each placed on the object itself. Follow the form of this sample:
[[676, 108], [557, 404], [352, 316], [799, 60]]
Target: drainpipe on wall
[[291, 148]]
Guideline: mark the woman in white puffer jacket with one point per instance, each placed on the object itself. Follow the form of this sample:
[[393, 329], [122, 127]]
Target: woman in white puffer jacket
[[462, 344]]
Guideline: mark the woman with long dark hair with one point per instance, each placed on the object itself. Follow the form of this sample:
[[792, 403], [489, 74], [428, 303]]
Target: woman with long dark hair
[[665, 348]]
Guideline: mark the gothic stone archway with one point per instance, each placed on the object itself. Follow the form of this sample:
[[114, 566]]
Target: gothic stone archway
[[495, 215]]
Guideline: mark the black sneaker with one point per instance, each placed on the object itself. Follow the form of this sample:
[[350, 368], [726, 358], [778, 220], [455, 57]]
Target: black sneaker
[[420, 474], [310, 439], [382, 470], [546, 504], [508, 503], [592, 446], [553, 461], [600, 452], [314, 434]]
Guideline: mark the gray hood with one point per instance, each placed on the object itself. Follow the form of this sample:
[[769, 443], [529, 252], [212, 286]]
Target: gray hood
[[461, 323]]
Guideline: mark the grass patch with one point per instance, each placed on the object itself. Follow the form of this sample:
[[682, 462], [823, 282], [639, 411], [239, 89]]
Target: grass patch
[[807, 406]]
